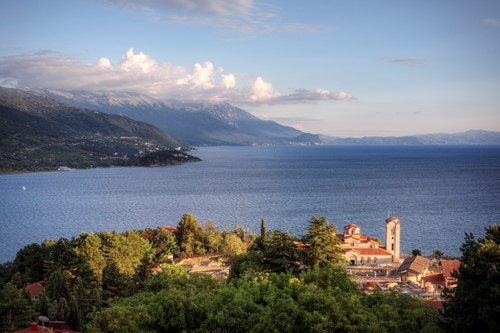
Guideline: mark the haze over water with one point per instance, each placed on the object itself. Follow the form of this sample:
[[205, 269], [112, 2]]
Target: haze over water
[[439, 192]]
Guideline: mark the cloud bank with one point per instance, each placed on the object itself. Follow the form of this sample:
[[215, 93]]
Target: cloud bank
[[138, 72]]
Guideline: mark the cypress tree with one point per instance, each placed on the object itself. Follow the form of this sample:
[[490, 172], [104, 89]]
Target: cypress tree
[[263, 231]]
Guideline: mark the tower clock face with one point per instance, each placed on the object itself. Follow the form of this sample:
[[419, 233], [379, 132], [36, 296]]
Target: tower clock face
[[393, 231]]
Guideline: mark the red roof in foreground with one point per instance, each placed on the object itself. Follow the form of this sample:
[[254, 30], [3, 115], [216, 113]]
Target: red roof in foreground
[[35, 328]]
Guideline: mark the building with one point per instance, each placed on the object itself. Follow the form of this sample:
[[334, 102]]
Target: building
[[35, 290], [359, 249], [414, 269], [436, 283]]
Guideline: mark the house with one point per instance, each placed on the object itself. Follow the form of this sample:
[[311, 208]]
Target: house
[[435, 283], [449, 267], [359, 249], [414, 269], [35, 290]]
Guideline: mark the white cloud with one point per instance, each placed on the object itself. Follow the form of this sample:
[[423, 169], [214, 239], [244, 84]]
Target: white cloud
[[138, 72], [261, 90], [228, 81], [137, 62], [491, 22]]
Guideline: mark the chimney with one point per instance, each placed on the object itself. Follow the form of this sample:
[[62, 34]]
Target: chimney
[[34, 327]]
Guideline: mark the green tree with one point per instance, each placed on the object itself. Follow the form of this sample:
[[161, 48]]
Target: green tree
[[60, 255], [16, 310], [416, 252], [75, 317], [29, 263], [281, 253], [59, 310], [232, 246], [263, 231], [90, 247], [474, 304], [57, 285], [212, 237], [322, 245], [127, 250], [121, 319], [164, 244], [114, 283], [189, 235]]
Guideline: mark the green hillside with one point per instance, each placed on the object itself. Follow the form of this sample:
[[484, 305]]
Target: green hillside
[[39, 133]]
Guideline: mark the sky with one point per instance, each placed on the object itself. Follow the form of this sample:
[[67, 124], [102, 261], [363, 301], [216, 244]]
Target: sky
[[341, 68]]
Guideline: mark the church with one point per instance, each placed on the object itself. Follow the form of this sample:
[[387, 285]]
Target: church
[[359, 249]]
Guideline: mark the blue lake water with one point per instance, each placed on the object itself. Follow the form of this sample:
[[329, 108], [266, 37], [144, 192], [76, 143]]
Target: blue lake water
[[438, 192]]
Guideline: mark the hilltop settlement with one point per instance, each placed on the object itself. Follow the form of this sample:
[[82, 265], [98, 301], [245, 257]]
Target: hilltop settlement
[[194, 277]]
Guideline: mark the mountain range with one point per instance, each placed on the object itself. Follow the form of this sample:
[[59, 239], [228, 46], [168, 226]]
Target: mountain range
[[40, 133], [472, 137], [212, 124], [190, 123]]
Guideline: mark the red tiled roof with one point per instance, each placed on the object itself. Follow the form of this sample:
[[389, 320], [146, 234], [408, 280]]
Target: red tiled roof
[[448, 266], [360, 237], [371, 252], [35, 328], [35, 289], [435, 279]]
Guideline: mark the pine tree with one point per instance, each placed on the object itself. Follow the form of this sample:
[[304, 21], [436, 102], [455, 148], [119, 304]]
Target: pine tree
[[323, 246], [189, 235], [474, 304], [16, 310]]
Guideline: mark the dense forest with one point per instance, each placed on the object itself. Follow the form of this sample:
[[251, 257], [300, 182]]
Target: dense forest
[[110, 282]]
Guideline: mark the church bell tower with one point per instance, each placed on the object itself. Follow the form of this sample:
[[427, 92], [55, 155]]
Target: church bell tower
[[392, 237]]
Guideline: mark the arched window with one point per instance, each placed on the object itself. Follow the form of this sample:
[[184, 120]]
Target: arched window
[[368, 260]]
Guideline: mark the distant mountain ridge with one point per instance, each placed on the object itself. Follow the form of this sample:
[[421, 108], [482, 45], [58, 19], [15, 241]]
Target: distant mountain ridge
[[472, 137], [191, 123], [40, 133]]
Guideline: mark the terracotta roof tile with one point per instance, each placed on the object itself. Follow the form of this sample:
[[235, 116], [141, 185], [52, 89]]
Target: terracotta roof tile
[[35, 289], [448, 266], [371, 252]]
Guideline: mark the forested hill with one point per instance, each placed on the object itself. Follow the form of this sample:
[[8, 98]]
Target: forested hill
[[191, 123], [39, 133]]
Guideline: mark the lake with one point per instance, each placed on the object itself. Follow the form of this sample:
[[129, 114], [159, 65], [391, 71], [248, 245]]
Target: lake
[[438, 192]]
